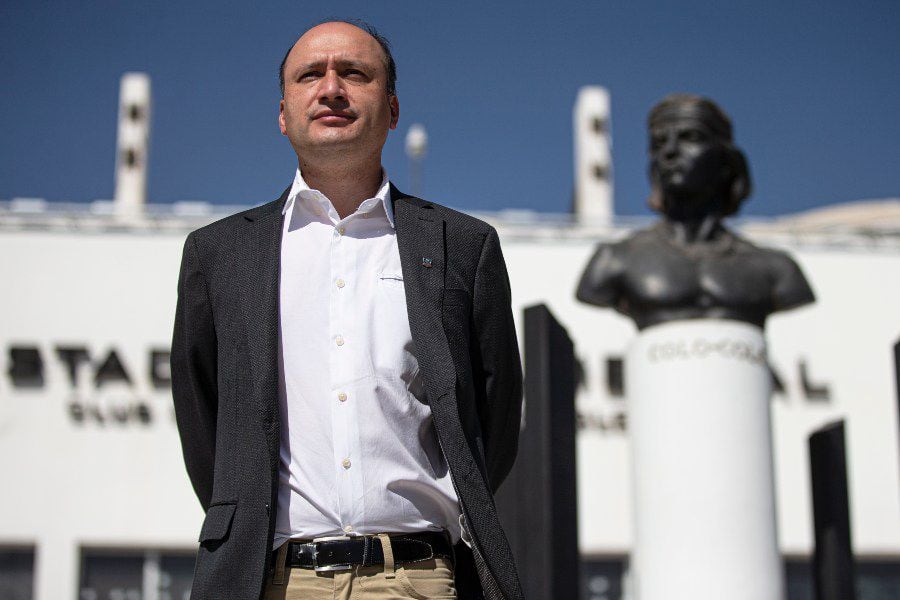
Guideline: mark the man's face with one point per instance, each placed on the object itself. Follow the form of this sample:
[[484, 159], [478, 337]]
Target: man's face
[[335, 93], [686, 159]]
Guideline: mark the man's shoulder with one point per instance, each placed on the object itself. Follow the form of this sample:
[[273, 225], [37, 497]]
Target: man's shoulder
[[457, 222], [226, 225]]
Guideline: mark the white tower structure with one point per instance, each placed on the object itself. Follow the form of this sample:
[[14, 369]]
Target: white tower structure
[[593, 155], [132, 145]]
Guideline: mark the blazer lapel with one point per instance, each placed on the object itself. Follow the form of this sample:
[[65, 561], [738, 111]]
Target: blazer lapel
[[420, 240], [259, 301]]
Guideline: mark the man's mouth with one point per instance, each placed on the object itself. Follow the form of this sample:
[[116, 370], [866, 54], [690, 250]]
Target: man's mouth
[[334, 118]]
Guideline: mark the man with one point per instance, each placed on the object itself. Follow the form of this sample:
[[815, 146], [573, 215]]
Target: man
[[345, 366]]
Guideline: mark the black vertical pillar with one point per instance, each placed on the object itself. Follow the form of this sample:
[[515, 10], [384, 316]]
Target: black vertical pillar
[[537, 503], [897, 384], [833, 559]]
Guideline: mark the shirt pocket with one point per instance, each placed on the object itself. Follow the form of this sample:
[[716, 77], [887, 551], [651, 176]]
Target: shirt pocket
[[390, 280], [394, 358]]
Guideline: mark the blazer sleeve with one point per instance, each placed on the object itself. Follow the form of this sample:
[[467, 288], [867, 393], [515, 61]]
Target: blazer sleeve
[[498, 378], [193, 362]]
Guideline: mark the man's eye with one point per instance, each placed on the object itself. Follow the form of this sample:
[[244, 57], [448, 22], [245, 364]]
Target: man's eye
[[308, 75], [354, 73]]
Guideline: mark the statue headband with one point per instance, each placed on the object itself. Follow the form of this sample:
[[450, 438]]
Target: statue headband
[[692, 107]]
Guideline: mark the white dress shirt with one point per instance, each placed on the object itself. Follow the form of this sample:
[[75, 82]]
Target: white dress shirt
[[359, 453]]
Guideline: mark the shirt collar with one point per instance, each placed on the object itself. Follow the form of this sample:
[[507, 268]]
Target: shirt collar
[[383, 196]]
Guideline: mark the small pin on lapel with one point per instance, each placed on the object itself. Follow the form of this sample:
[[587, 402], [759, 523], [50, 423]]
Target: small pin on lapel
[[426, 262]]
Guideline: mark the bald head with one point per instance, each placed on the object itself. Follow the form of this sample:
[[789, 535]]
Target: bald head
[[390, 66]]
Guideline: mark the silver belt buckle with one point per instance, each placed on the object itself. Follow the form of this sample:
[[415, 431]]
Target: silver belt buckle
[[326, 568]]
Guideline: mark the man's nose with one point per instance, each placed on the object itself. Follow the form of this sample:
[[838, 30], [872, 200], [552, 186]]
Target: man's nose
[[331, 86]]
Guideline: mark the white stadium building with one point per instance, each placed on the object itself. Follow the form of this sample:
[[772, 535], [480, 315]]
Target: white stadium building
[[96, 504]]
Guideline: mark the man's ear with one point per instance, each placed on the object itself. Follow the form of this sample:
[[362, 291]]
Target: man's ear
[[281, 124], [395, 111]]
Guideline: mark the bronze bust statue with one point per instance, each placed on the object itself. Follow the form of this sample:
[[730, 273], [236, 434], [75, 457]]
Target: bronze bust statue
[[689, 265]]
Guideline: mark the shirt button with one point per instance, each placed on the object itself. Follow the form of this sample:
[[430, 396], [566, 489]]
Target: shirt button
[[342, 230], [339, 340], [348, 528], [340, 283], [342, 397], [345, 463]]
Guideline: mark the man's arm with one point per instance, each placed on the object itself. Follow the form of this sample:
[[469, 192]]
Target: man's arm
[[498, 376], [194, 374]]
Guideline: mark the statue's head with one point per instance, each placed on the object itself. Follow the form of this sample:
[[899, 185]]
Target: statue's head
[[695, 169]]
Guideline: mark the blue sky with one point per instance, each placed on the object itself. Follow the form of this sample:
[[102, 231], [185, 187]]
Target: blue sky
[[813, 89]]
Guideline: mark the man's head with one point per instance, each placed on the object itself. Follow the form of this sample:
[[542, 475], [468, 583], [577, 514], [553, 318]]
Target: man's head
[[389, 65], [694, 166], [338, 92]]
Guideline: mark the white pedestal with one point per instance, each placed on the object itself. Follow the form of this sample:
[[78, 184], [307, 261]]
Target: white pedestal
[[698, 394]]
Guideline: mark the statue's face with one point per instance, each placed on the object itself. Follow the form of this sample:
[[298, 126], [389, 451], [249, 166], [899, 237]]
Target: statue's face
[[687, 161]]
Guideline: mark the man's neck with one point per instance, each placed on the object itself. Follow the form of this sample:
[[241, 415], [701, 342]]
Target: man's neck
[[346, 186]]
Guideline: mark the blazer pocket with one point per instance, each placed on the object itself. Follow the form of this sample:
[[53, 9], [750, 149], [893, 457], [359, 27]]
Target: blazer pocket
[[217, 523], [455, 297], [456, 306]]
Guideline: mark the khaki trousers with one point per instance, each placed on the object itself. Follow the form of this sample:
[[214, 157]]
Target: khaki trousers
[[421, 580]]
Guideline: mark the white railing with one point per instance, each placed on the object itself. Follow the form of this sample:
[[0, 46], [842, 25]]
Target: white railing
[[34, 214]]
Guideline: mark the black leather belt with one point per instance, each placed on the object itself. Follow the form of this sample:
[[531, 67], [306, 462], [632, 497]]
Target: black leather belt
[[341, 553]]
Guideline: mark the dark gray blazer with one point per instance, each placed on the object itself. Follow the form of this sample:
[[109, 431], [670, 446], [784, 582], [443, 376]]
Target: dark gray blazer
[[225, 383]]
